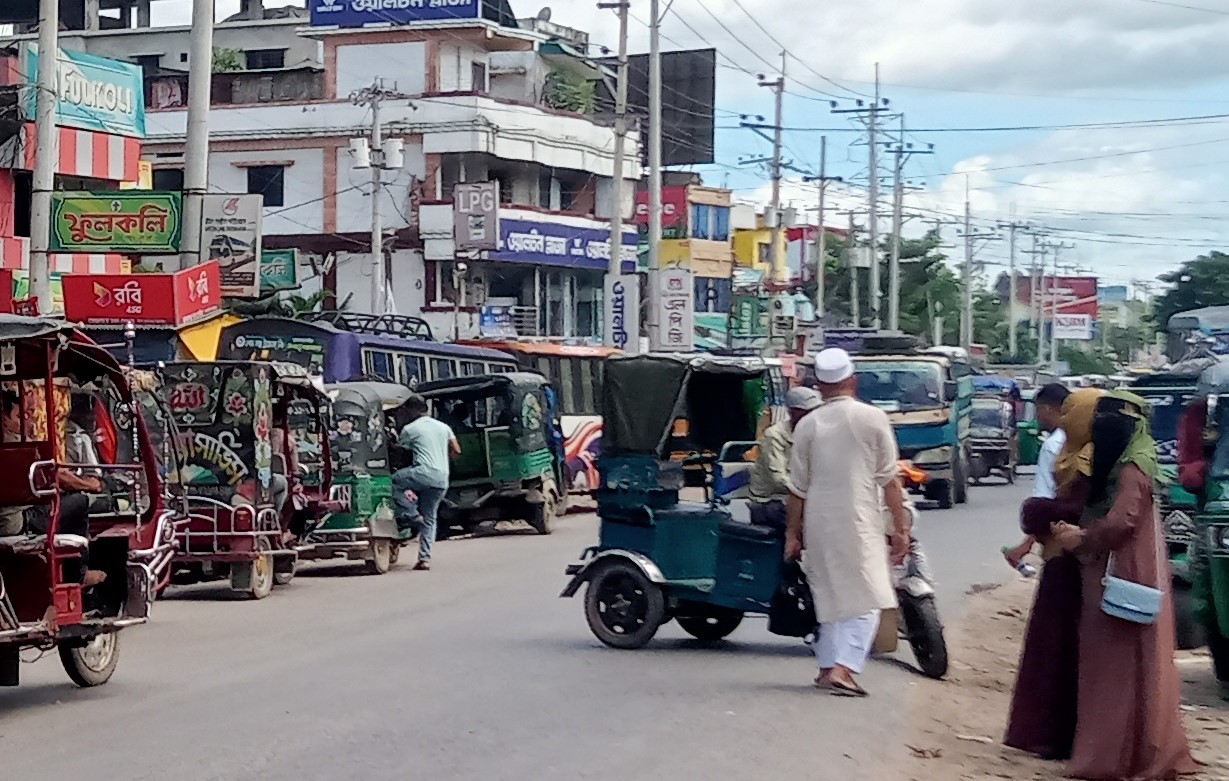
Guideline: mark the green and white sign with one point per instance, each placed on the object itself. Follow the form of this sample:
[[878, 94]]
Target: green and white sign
[[95, 93], [130, 221], [279, 269], [748, 320]]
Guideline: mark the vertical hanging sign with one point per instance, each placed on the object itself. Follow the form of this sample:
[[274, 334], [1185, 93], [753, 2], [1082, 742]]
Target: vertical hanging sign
[[623, 315]]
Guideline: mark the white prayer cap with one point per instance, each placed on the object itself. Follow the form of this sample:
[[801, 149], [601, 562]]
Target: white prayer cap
[[803, 399], [832, 366]]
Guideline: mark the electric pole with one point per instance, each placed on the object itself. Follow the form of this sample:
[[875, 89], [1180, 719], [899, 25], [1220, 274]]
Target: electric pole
[[1058, 247], [655, 207], [901, 152], [870, 115], [821, 240], [614, 265], [196, 146], [851, 246], [1012, 227], [382, 155], [46, 153], [966, 273], [777, 85]]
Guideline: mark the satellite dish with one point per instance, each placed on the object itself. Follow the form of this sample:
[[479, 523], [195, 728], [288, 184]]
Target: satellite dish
[[544, 14]]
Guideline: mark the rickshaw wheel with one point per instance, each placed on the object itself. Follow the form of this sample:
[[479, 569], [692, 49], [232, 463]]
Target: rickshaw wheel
[[544, 514], [623, 607], [711, 623], [93, 663], [283, 574], [260, 580], [381, 560]]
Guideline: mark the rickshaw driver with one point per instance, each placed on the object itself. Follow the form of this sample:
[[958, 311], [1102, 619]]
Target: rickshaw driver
[[769, 483]]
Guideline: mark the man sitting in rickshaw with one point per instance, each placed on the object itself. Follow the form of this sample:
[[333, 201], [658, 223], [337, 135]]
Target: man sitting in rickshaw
[[769, 484]]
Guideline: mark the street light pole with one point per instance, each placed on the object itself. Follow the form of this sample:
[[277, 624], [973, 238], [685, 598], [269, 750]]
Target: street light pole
[[196, 147], [46, 154]]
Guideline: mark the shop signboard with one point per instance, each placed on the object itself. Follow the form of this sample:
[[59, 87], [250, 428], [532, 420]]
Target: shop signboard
[[130, 221], [279, 269], [475, 216], [230, 234], [1072, 327], [1074, 295], [673, 211], [748, 320], [674, 312], [355, 13], [171, 300], [622, 318], [559, 243], [95, 93], [497, 321]]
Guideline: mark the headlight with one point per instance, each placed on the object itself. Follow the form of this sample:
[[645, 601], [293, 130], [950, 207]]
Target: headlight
[[936, 455], [1218, 539], [1224, 537]]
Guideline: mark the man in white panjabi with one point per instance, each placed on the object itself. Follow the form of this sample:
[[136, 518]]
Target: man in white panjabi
[[843, 472]]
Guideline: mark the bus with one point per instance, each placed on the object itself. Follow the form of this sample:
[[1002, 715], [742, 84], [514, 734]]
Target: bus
[[359, 347], [576, 373]]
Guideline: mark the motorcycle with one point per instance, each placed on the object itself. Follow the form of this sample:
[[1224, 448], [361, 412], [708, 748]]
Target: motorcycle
[[920, 623]]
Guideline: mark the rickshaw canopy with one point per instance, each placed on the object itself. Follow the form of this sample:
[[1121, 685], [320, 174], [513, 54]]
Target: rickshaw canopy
[[358, 434], [997, 385], [1214, 379], [522, 410], [643, 395]]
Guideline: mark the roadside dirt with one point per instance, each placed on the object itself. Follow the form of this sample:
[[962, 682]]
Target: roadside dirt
[[956, 725]]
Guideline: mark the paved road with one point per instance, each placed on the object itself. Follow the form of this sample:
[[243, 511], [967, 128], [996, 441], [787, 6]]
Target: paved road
[[473, 671]]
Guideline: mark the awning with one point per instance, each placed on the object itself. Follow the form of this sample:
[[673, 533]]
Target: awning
[[200, 341]]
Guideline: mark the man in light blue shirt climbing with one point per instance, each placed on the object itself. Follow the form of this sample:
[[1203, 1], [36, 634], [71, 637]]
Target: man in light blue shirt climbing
[[419, 489]]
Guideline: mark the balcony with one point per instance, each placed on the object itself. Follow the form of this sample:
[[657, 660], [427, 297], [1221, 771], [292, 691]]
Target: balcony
[[293, 85]]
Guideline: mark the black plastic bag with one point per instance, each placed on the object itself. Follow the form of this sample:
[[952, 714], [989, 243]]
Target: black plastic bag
[[792, 613]]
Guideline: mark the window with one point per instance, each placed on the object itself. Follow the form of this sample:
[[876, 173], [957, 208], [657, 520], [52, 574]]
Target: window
[[500, 368], [269, 181], [183, 56], [265, 59], [443, 368], [471, 368], [413, 369], [764, 252], [148, 62], [168, 179], [710, 222], [478, 76], [721, 223], [378, 363], [699, 221]]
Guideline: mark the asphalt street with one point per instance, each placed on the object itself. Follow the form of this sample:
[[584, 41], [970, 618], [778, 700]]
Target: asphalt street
[[475, 670]]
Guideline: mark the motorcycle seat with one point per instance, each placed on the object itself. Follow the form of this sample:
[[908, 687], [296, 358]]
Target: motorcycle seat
[[751, 531]]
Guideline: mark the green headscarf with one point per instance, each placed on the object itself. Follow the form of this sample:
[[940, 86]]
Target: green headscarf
[[1141, 450]]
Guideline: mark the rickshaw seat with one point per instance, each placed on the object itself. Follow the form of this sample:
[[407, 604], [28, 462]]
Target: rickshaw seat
[[25, 544], [15, 461], [750, 531]]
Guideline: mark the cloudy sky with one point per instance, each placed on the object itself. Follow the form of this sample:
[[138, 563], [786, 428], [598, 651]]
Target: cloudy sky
[[1104, 121]]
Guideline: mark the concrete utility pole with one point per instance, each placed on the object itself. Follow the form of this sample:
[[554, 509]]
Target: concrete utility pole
[[47, 152], [1058, 247], [196, 148], [614, 266], [855, 307], [1038, 252], [870, 115], [778, 87], [655, 207], [384, 155], [902, 152], [1012, 227], [821, 240], [966, 273]]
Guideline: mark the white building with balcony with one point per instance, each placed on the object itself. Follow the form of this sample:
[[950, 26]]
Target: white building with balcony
[[482, 99]]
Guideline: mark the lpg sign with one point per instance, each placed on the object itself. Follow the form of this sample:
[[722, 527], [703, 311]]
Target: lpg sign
[[475, 216]]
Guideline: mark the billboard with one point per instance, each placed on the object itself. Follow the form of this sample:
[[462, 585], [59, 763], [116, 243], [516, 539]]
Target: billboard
[[1074, 295], [230, 234], [673, 211], [131, 221], [475, 216], [279, 269], [688, 90], [95, 93], [356, 13], [171, 300], [1072, 327], [554, 243], [622, 316], [674, 310]]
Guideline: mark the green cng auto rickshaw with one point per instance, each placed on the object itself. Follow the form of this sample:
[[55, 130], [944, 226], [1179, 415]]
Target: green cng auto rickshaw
[[364, 527], [1028, 430], [511, 462]]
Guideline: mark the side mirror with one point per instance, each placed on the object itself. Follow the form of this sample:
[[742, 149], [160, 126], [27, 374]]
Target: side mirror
[[951, 390]]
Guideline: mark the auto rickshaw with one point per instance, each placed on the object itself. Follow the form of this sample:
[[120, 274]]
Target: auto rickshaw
[[991, 445], [364, 528], [228, 412], [511, 462], [44, 363], [1203, 448], [1028, 430], [660, 557]]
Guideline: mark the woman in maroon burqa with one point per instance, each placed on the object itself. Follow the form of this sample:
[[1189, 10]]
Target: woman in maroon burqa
[[1043, 704], [1129, 721]]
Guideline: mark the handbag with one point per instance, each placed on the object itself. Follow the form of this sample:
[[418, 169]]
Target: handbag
[[792, 611], [1129, 600]]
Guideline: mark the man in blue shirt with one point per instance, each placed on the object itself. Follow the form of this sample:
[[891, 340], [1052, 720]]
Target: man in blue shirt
[[419, 489]]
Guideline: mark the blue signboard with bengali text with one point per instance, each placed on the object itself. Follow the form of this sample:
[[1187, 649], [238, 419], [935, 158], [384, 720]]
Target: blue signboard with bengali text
[[355, 13], [95, 93], [556, 244]]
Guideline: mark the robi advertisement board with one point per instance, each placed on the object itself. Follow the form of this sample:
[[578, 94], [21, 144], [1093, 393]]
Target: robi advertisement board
[[171, 300], [673, 211]]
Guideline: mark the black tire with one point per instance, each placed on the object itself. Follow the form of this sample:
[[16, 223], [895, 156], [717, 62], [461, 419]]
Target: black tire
[[381, 556], [284, 569], [260, 581], [543, 515], [925, 630], [1218, 645], [960, 480], [711, 623], [943, 492], [623, 607], [1188, 631], [91, 664]]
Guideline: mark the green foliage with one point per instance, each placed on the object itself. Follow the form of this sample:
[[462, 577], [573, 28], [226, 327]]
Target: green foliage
[[569, 91], [227, 60], [1201, 282], [1086, 361]]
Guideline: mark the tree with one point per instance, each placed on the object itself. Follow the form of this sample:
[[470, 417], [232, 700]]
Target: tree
[[227, 60], [1201, 282]]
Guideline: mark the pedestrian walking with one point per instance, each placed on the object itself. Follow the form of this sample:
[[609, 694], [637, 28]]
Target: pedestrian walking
[[769, 484], [1129, 721], [419, 489], [842, 471], [1049, 405]]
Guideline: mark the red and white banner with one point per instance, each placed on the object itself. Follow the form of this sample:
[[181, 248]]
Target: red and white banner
[[1074, 295], [15, 254], [81, 153]]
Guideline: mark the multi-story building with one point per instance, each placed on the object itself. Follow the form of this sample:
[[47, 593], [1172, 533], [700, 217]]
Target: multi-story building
[[478, 97], [696, 235]]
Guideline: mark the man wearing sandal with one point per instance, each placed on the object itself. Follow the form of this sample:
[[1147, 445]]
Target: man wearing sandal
[[843, 472]]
